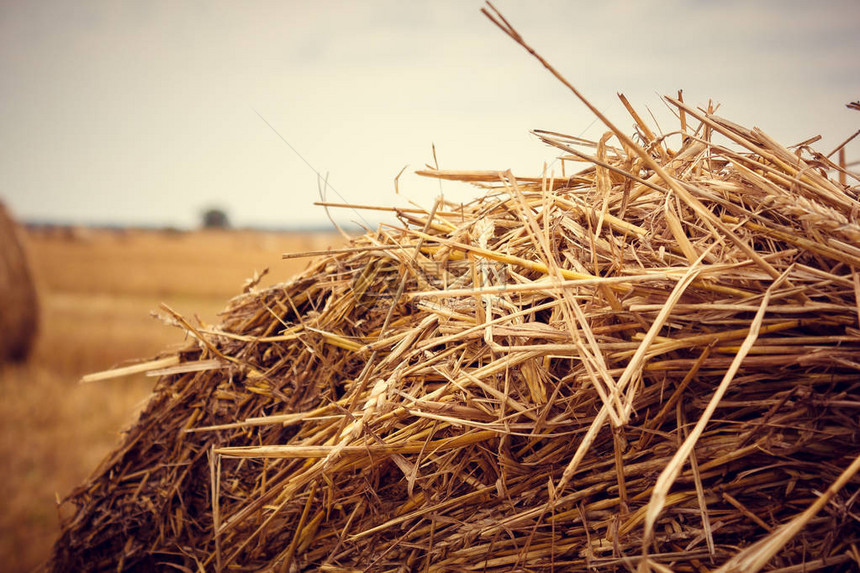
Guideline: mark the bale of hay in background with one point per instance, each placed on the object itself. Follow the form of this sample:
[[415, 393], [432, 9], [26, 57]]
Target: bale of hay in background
[[19, 316]]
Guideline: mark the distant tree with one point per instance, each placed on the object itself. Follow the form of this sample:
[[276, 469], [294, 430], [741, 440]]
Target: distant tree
[[215, 218]]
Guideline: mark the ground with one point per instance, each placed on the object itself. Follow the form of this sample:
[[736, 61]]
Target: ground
[[97, 290]]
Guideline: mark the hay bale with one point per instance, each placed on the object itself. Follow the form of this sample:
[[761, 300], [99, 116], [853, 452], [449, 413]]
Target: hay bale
[[510, 383], [650, 363], [19, 316]]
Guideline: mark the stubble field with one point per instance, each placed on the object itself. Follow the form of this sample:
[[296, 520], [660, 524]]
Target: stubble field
[[98, 290]]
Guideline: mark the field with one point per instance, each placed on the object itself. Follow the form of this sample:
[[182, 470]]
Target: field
[[98, 289]]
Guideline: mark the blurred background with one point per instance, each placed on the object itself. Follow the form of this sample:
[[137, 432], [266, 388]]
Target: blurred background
[[159, 152]]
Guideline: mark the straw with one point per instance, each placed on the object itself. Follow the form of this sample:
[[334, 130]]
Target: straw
[[517, 383]]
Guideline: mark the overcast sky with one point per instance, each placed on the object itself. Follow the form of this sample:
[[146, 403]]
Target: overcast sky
[[146, 112]]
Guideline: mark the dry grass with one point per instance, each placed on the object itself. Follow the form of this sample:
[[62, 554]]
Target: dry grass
[[648, 364], [97, 290]]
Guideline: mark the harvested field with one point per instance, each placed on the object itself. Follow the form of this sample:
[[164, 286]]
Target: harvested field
[[650, 362]]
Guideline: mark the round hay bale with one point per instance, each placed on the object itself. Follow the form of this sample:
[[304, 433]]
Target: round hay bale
[[593, 373], [648, 365], [19, 310]]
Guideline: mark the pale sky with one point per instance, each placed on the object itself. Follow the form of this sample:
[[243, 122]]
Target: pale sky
[[145, 112]]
